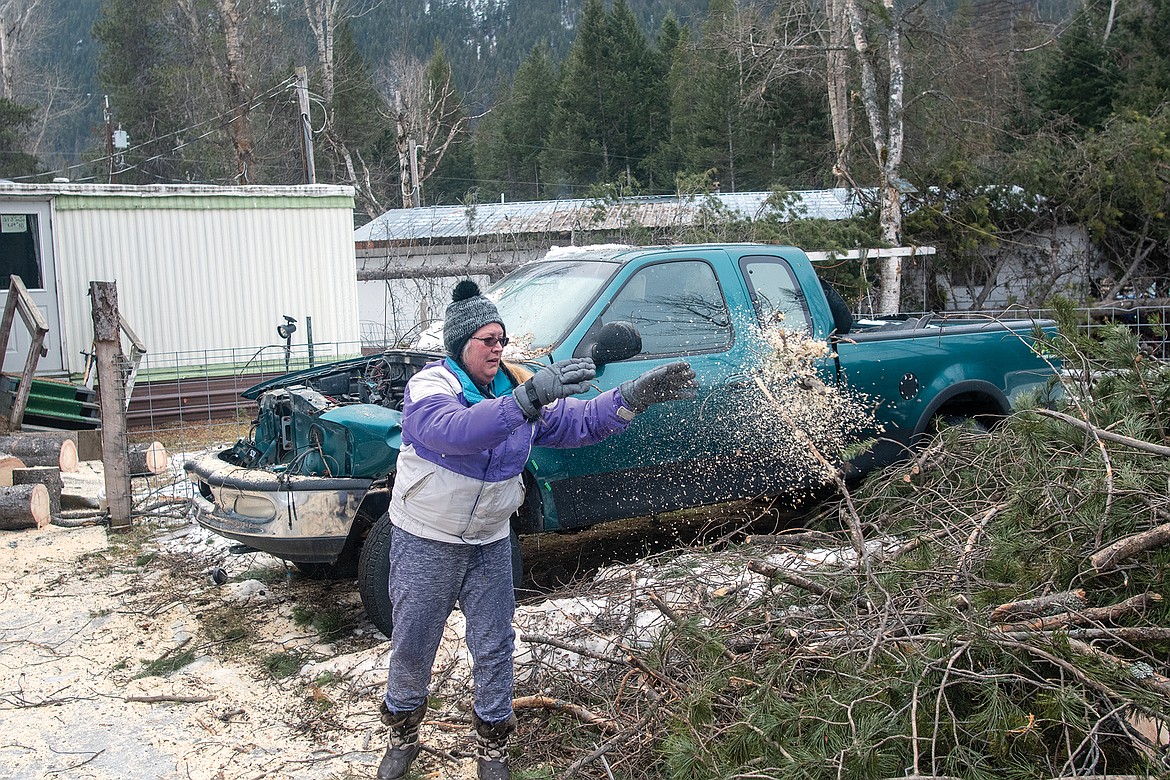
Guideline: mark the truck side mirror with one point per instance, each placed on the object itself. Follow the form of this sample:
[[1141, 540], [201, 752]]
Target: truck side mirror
[[618, 340]]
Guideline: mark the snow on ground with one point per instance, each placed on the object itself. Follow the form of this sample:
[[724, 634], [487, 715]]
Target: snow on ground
[[84, 613]]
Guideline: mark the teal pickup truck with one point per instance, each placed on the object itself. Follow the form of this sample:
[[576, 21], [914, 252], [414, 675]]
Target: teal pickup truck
[[312, 483]]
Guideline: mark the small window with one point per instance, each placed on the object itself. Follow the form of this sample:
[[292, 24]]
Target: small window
[[20, 251], [776, 293], [678, 308]]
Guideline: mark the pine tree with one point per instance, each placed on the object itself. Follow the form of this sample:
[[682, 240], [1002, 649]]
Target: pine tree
[[1083, 78], [611, 111], [138, 65], [510, 140], [14, 160]]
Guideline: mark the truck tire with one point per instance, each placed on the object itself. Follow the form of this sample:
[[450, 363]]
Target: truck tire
[[374, 575]]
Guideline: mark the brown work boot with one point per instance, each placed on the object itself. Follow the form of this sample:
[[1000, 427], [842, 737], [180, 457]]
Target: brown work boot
[[491, 747], [404, 744]]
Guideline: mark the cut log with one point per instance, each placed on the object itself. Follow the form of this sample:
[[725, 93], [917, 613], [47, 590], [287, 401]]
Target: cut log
[[1129, 546], [89, 444], [74, 502], [50, 477], [37, 450], [24, 506], [1039, 606], [147, 459], [8, 464]]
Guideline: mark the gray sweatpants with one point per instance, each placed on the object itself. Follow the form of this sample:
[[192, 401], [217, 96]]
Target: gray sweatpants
[[427, 578]]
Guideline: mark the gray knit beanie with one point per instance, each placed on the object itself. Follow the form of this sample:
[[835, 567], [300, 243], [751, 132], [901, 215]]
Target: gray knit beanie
[[468, 312]]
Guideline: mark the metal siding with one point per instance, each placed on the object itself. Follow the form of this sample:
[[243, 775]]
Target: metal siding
[[204, 281]]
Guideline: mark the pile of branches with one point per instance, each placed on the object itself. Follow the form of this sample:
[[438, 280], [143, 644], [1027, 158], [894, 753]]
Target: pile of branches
[[992, 609]]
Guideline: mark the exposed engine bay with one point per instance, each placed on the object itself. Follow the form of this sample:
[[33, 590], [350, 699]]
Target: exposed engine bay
[[337, 420]]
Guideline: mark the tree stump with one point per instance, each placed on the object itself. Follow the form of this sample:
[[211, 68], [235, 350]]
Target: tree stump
[[147, 459], [50, 477], [9, 463], [37, 450], [24, 506]]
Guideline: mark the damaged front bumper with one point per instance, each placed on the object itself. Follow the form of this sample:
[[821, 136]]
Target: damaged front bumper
[[302, 519]]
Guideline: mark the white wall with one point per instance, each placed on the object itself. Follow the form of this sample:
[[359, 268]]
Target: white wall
[[205, 270], [1061, 261]]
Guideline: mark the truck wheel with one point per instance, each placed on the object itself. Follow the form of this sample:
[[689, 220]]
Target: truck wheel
[[374, 575]]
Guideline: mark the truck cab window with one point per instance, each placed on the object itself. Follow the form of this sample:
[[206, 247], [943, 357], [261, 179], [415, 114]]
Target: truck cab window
[[776, 294], [678, 307]]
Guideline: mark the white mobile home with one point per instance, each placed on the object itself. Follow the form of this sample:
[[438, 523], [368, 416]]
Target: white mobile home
[[198, 268]]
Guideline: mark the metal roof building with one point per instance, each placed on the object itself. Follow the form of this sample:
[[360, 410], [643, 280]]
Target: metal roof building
[[406, 258], [441, 224]]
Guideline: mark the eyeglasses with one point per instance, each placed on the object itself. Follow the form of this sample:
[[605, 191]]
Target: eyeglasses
[[491, 341]]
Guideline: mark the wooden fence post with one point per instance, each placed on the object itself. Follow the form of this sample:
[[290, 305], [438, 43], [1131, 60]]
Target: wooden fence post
[[112, 395]]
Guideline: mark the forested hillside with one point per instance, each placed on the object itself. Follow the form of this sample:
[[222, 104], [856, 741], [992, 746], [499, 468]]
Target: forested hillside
[[974, 122]]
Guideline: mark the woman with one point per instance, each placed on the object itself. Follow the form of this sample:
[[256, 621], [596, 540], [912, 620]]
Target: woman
[[469, 423]]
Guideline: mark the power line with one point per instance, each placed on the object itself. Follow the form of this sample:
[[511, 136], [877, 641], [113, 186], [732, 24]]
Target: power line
[[249, 105]]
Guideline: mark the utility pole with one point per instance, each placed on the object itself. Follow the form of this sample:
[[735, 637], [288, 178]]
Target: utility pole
[[109, 141], [306, 126]]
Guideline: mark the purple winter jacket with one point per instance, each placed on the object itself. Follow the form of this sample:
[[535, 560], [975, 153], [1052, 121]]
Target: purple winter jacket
[[458, 476]]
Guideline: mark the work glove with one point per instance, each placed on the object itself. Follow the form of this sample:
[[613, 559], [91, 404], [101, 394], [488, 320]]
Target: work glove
[[560, 380], [671, 382]]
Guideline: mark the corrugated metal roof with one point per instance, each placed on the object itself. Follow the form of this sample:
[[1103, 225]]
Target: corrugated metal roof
[[567, 216], [153, 191]]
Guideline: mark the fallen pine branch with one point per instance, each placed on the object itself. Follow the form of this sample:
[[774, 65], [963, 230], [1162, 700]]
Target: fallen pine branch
[[629, 660], [537, 639], [1093, 634], [1104, 435], [568, 708], [914, 544], [1132, 605], [1129, 546], [1142, 672], [1041, 605], [797, 538], [1102, 690], [675, 618], [980, 526], [804, 583], [776, 573], [163, 698], [609, 745]]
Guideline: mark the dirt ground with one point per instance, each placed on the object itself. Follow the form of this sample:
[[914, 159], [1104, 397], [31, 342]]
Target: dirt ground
[[121, 656]]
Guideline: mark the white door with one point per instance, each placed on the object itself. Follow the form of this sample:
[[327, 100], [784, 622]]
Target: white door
[[26, 250]]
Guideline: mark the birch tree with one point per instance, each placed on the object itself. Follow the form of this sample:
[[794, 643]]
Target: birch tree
[[427, 110], [886, 129], [20, 22], [837, 86], [325, 17], [234, 71]]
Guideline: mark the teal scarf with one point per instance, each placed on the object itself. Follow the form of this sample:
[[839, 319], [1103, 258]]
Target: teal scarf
[[501, 385]]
